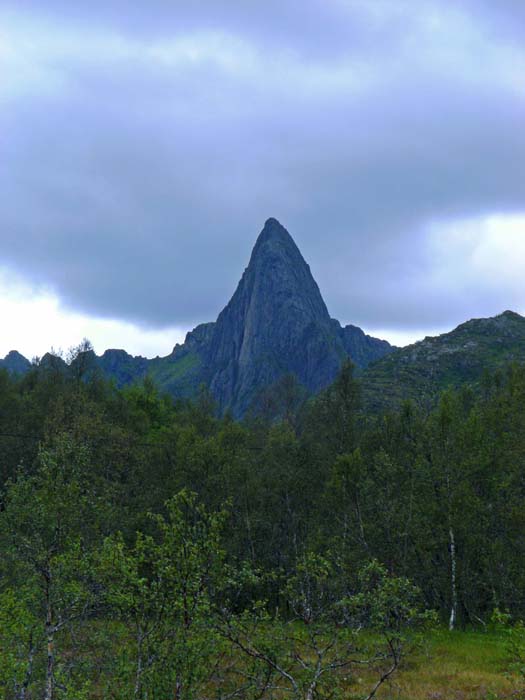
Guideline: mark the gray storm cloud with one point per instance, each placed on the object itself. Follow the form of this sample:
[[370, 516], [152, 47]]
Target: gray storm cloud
[[143, 148]]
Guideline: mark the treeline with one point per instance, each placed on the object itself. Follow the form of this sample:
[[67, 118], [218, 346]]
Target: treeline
[[151, 548]]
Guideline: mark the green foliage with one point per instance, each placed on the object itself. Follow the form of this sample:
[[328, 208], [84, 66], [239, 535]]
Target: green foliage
[[315, 652], [514, 633], [308, 591], [181, 375], [45, 532], [101, 557], [388, 604], [19, 637], [161, 587]]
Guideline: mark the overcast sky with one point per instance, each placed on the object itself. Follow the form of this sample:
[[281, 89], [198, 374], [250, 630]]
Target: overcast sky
[[143, 145]]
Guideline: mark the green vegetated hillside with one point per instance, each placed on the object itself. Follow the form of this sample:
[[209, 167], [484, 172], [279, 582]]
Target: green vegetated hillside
[[421, 371], [180, 376]]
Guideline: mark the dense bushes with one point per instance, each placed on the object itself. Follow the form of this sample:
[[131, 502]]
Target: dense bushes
[[144, 541]]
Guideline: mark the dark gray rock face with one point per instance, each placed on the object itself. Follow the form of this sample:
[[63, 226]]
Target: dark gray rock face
[[197, 339], [15, 363], [122, 366], [362, 348], [275, 323]]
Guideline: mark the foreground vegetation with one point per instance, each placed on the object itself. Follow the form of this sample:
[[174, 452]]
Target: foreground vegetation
[[153, 550], [459, 665]]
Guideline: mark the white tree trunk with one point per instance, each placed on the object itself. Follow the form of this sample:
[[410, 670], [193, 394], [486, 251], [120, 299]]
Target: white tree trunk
[[454, 603], [50, 637], [139, 669]]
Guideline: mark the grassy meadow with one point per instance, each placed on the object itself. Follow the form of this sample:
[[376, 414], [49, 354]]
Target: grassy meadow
[[459, 665]]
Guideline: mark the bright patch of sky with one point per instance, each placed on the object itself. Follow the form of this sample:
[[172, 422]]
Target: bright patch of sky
[[35, 323], [489, 248]]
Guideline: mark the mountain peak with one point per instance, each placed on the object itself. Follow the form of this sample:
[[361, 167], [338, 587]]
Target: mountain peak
[[14, 355], [15, 363], [276, 284], [510, 315], [274, 239], [275, 323], [274, 228]]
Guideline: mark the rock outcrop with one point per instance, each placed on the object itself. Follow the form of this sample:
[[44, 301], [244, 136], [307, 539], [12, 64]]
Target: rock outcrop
[[15, 363], [275, 323]]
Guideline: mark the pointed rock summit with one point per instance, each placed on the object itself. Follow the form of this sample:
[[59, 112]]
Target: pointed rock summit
[[275, 323], [280, 274], [15, 363]]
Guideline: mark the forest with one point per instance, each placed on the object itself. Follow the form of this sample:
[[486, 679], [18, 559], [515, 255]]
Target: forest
[[153, 549]]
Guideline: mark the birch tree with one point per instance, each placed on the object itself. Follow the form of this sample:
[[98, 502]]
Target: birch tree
[[160, 588], [48, 561], [316, 647]]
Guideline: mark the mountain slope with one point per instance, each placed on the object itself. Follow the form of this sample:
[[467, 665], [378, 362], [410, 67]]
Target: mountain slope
[[420, 371]]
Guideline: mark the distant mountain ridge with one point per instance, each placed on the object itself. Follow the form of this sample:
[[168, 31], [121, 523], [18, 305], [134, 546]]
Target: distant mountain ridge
[[421, 371], [276, 323]]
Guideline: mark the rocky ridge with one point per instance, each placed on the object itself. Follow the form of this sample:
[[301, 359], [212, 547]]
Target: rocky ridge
[[422, 370], [275, 324]]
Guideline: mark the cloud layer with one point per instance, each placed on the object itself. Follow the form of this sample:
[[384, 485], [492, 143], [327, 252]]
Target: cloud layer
[[144, 144]]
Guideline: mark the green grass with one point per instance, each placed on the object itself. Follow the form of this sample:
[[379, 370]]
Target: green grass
[[180, 376], [456, 666], [447, 666]]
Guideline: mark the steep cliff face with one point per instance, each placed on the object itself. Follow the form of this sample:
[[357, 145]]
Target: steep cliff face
[[362, 348], [15, 363], [276, 322]]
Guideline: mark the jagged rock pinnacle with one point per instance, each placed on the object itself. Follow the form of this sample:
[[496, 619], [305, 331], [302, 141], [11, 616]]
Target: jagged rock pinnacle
[[275, 323]]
